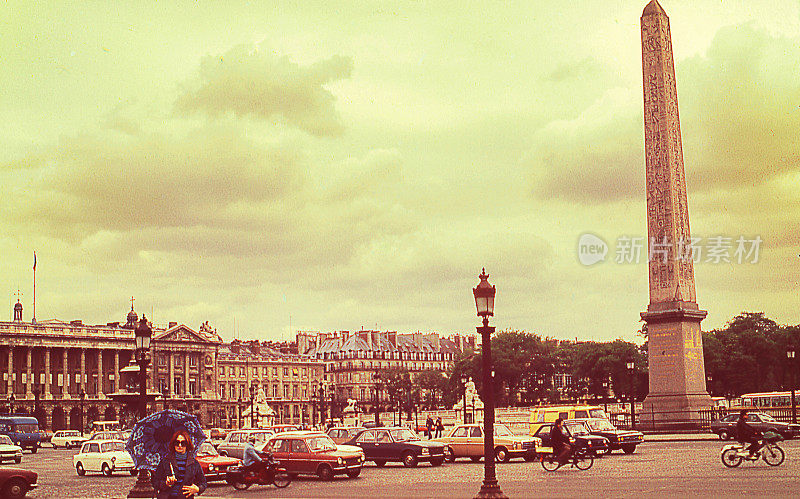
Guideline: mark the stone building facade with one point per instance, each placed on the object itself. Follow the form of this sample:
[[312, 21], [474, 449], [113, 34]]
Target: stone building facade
[[352, 358]]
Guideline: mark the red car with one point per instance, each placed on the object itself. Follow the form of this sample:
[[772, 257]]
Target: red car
[[16, 482], [214, 466], [314, 453]]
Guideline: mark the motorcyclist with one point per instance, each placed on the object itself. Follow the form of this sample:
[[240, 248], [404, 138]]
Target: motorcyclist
[[745, 433], [251, 460], [560, 441]]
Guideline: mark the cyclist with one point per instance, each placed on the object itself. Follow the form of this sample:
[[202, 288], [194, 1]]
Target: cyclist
[[560, 441], [745, 433]]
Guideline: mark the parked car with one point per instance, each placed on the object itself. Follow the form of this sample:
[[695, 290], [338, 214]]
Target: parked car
[[108, 435], [9, 451], [217, 434], [22, 430], [397, 444], [235, 441], [284, 427], [16, 482], [214, 466], [314, 453], [466, 440], [67, 439], [579, 435], [341, 434], [105, 456], [726, 427], [44, 436], [627, 440]]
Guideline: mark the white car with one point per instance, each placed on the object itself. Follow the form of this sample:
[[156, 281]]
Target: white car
[[105, 456], [9, 451], [67, 439]]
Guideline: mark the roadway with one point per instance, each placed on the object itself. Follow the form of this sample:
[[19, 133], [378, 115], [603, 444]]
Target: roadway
[[656, 469]]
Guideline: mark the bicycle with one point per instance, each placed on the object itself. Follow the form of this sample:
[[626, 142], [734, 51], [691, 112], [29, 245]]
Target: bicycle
[[732, 455], [580, 459]]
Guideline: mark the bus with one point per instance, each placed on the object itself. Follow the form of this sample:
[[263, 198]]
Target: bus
[[764, 399]]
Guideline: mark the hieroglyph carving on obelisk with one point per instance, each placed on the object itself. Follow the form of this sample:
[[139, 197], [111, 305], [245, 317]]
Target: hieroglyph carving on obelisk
[[671, 269]]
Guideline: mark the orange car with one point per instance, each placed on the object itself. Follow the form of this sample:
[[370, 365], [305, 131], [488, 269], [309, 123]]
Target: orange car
[[214, 466]]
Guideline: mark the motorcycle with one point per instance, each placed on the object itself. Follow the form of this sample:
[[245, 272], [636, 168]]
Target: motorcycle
[[732, 455], [265, 475]]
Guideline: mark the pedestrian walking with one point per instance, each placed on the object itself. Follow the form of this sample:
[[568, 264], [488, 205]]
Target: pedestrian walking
[[178, 475], [429, 427], [439, 427]]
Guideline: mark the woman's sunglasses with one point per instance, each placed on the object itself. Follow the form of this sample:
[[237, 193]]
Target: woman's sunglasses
[[180, 443]]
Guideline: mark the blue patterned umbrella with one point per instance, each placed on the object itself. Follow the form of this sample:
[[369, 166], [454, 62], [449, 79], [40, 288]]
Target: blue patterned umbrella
[[149, 441]]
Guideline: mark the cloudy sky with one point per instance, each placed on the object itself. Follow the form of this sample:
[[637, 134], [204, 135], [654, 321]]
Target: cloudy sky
[[337, 165]]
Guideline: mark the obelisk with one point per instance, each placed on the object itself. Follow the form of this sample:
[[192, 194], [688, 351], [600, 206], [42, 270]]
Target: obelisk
[[675, 344]]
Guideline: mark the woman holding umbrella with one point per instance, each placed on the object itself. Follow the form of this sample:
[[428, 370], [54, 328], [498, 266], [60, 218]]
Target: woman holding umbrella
[[178, 475]]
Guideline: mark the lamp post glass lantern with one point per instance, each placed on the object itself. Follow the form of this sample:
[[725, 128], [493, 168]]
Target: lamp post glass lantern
[[142, 335], [631, 366], [790, 353], [484, 294], [464, 393]]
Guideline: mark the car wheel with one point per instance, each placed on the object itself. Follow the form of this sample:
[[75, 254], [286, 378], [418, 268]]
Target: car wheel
[[354, 473], [501, 455], [67, 445], [79, 468], [380, 464], [409, 460], [628, 449], [106, 469], [448, 455], [15, 488], [475, 459], [325, 472], [724, 435]]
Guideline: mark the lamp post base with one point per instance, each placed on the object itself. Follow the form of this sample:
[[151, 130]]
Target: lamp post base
[[491, 489], [143, 487]]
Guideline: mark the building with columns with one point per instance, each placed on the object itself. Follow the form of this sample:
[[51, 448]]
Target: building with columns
[[66, 373]]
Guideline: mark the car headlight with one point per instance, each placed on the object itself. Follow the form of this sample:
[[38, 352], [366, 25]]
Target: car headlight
[[516, 445], [340, 461], [113, 459], [210, 467]]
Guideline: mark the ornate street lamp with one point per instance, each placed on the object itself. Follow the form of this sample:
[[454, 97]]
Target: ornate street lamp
[[252, 414], [314, 407], [323, 413], [142, 334], [631, 366], [484, 302], [790, 356], [82, 397], [376, 378], [239, 409], [464, 395]]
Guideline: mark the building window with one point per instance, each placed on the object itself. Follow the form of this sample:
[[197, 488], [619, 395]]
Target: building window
[[241, 371], [305, 371], [294, 391], [274, 372], [178, 388], [285, 372], [222, 393], [192, 388], [162, 385], [286, 391], [295, 372], [178, 361], [222, 370], [192, 360], [242, 392], [255, 372], [162, 360], [275, 391], [305, 392], [233, 392], [264, 371]]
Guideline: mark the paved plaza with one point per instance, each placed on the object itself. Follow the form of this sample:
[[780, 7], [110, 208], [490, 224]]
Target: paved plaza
[[657, 468]]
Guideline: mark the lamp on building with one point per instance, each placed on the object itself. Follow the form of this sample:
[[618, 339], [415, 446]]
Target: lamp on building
[[252, 414], [142, 335], [484, 294], [790, 353], [631, 367]]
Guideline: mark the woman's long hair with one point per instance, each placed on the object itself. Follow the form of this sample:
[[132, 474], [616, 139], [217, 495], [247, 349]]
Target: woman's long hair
[[185, 435]]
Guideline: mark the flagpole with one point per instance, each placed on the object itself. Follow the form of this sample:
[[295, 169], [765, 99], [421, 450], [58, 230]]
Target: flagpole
[[34, 287]]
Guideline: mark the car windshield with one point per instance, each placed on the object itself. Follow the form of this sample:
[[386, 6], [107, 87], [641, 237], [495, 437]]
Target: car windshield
[[112, 446], [404, 435], [207, 450], [600, 425], [4, 440], [767, 418], [577, 429], [597, 413], [26, 427], [501, 430], [320, 444]]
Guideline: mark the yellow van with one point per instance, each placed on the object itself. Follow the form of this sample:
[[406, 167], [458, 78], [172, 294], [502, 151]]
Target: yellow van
[[542, 415]]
